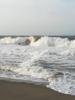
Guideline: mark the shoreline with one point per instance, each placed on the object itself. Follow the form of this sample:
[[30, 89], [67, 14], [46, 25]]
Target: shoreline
[[27, 91]]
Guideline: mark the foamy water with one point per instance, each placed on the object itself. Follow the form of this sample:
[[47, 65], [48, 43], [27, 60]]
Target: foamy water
[[46, 60]]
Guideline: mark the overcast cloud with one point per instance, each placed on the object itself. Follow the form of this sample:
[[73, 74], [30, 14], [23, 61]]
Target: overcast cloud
[[37, 17]]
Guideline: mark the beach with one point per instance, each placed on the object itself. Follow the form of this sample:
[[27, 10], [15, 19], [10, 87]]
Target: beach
[[27, 91]]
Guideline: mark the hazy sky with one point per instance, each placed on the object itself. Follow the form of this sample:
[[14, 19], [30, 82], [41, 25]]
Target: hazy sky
[[37, 17]]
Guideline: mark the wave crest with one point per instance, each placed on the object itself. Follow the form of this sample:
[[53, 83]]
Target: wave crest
[[42, 41]]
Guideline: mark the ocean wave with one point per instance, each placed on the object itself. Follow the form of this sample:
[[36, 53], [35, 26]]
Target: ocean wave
[[42, 41], [18, 40], [54, 65]]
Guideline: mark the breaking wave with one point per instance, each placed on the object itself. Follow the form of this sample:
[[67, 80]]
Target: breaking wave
[[42, 41], [18, 40], [49, 61]]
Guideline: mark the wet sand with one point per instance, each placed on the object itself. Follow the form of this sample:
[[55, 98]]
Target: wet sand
[[26, 91]]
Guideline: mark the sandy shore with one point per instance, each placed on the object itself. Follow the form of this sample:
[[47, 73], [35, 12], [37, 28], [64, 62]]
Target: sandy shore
[[24, 91]]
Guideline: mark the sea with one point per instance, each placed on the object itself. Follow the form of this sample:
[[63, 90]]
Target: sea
[[47, 61]]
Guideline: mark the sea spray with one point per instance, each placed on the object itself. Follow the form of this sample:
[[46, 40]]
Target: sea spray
[[42, 60]]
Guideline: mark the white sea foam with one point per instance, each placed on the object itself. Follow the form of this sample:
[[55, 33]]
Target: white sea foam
[[54, 41], [63, 85], [43, 41], [51, 41], [10, 40], [68, 52], [18, 40], [46, 59]]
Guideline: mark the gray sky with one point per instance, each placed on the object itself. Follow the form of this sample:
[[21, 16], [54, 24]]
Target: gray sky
[[37, 17]]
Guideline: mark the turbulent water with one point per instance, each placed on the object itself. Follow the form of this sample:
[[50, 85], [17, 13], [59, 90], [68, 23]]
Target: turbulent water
[[48, 61]]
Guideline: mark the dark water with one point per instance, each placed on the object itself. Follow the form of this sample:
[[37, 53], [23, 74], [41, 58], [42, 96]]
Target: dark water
[[38, 36]]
